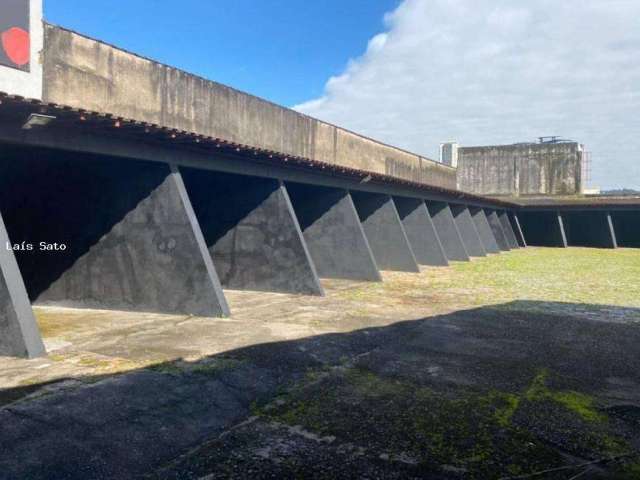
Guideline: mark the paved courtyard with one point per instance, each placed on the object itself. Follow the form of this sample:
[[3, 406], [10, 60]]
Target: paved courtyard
[[520, 363]]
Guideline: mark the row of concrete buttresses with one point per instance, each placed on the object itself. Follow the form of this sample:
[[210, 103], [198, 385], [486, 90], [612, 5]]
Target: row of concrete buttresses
[[158, 237]]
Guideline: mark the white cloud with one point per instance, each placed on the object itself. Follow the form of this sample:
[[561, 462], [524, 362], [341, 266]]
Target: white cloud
[[499, 71]]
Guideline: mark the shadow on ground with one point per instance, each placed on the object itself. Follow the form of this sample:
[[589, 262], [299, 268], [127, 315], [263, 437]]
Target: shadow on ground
[[494, 392]]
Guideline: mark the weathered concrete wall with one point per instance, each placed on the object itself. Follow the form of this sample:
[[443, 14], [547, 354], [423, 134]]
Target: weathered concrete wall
[[509, 233], [85, 73], [333, 232], [468, 231], [520, 170], [420, 231], [447, 231], [130, 241], [252, 232], [385, 232], [498, 232], [484, 230]]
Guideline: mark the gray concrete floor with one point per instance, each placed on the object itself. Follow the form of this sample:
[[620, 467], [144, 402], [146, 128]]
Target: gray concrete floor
[[99, 342], [494, 368]]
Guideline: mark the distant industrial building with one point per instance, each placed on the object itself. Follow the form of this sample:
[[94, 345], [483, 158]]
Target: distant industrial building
[[551, 167]]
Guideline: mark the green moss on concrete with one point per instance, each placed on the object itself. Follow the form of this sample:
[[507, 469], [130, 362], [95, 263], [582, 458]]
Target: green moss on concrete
[[579, 403], [168, 368], [401, 419], [630, 471], [506, 405], [480, 432], [214, 366], [211, 366]]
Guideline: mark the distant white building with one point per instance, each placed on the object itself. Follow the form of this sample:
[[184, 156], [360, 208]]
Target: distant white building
[[449, 154]]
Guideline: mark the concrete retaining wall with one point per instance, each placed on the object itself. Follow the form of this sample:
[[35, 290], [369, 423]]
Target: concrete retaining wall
[[85, 73]]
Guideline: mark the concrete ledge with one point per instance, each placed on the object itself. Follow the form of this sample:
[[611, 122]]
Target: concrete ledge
[[496, 228], [484, 230], [468, 231], [420, 231], [384, 231], [333, 233], [251, 232], [447, 231]]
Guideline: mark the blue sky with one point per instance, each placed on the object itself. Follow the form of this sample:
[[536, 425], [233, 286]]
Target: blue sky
[[282, 50], [412, 73]]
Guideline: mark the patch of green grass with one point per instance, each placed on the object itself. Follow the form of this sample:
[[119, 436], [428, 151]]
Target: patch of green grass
[[555, 275], [548, 280]]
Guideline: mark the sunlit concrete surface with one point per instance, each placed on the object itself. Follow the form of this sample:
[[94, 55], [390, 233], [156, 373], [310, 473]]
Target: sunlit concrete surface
[[94, 342], [89, 342]]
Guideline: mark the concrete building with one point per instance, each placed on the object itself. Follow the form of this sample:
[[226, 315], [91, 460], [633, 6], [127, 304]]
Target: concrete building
[[527, 169], [132, 185]]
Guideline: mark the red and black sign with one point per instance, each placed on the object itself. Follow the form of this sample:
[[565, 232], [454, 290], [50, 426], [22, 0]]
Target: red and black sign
[[15, 42]]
